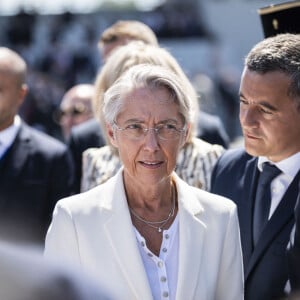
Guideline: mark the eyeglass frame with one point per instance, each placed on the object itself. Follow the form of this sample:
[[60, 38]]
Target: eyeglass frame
[[147, 129]]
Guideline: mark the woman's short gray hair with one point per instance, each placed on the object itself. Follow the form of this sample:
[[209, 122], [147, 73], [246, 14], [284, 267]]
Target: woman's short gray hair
[[146, 75]]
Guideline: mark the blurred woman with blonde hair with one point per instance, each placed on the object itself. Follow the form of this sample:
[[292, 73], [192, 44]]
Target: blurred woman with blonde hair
[[196, 159]]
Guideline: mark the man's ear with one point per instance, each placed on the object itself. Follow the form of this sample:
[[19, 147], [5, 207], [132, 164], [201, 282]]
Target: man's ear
[[22, 93], [111, 135]]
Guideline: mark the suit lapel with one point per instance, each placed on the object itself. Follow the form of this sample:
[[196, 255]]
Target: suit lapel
[[124, 244], [13, 162], [247, 186], [17, 154], [283, 214], [191, 236]]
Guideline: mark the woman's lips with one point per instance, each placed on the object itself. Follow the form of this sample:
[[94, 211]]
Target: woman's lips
[[151, 164]]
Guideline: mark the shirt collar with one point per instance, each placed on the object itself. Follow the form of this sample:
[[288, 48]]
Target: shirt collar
[[8, 135], [289, 166]]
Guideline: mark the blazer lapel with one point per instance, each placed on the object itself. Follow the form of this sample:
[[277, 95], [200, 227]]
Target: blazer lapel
[[191, 236], [122, 239], [283, 214]]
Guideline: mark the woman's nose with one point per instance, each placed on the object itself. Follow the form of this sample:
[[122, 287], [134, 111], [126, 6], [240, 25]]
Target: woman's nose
[[151, 140]]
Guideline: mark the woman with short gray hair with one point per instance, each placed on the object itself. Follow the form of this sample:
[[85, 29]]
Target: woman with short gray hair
[[145, 233]]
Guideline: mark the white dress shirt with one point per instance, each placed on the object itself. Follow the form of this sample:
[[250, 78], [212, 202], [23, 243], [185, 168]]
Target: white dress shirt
[[279, 185], [8, 135]]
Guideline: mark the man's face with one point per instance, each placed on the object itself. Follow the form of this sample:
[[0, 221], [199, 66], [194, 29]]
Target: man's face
[[269, 117], [74, 110], [11, 97]]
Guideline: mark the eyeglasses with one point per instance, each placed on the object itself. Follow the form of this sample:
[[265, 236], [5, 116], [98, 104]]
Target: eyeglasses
[[77, 110], [138, 131]]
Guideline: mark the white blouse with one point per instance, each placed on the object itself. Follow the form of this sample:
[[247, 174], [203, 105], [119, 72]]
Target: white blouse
[[162, 271]]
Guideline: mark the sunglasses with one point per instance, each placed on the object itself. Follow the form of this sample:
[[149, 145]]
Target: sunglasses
[[73, 112]]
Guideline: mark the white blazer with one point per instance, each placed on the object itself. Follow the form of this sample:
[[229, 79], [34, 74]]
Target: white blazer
[[94, 230]]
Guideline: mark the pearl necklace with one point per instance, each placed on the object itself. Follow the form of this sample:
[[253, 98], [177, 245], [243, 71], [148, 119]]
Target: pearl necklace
[[158, 225]]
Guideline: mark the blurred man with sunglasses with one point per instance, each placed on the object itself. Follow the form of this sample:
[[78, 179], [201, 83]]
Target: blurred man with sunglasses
[[75, 108]]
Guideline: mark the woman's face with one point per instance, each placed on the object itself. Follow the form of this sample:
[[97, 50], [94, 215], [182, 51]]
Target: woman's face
[[148, 160]]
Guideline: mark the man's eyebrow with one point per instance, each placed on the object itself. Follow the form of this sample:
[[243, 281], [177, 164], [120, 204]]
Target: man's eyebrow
[[267, 105], [260, 103]]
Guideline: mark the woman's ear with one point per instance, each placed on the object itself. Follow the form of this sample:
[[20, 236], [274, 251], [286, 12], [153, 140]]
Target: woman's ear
[[111, 135], [186, 136]]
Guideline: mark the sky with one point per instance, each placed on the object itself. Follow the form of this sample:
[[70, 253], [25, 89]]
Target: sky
[[8, 7]]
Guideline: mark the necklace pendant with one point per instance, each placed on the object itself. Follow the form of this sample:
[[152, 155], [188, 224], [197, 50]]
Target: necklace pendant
[[159, 229]]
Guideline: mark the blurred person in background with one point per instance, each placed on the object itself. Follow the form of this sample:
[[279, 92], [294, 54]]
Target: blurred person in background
[[75, 107], [36, 169], [25, 274], [211, 127], [121, 33], [90, 134], [196, 158], [145, 233]]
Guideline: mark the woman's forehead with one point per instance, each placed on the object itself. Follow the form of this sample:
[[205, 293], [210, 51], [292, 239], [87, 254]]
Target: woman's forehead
[[159, 94], [145, 104]]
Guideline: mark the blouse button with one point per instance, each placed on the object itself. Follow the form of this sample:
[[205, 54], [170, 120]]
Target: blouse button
[[165, 294]]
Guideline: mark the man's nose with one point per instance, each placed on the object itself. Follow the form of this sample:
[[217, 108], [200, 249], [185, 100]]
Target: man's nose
[[249, 116]]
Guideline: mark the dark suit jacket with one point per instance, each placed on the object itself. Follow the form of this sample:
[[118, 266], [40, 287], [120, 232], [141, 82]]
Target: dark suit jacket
[[294, 251], [26, 275], [35, 173], [84, 136], [266, 267], [212, 130]]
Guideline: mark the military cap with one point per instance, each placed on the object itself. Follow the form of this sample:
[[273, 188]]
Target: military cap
[[280, 18]]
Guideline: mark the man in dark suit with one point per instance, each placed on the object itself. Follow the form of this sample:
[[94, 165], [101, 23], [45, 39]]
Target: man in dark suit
[[35, 169], [84, 136], [270, 120], [212, 130], [294, 251]]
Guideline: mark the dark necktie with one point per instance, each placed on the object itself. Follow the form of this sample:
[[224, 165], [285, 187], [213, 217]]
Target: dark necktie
[[263, 199], [297, 221]]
